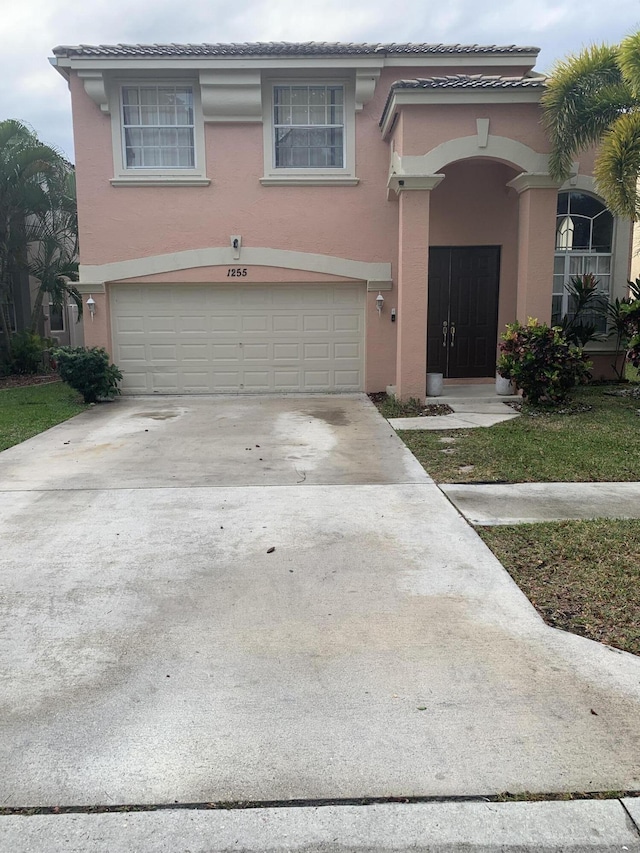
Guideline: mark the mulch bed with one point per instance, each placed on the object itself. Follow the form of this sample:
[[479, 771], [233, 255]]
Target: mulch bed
[[20, 381]]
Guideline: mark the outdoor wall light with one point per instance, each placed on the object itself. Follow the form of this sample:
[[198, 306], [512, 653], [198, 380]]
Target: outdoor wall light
[[91, 305], [236, 245], [379, 302]]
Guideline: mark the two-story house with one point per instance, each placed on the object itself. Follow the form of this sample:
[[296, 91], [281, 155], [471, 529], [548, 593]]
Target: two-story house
[[321, 217]]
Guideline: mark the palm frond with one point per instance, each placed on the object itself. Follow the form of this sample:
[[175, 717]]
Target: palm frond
[[584, 94], [629, 62], [618, 164]]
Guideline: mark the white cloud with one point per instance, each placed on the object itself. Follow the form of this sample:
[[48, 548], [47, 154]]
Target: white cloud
[[29, 29]]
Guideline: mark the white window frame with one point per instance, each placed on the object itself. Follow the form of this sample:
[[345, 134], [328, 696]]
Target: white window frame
[[587, 260], [135, 176], [63, 311], [311, 176]]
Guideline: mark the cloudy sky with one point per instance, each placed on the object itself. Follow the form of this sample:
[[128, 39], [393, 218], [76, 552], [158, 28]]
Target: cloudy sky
[[29, 29]]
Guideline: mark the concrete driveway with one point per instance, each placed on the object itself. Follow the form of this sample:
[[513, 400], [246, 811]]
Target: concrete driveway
[[155, 648]]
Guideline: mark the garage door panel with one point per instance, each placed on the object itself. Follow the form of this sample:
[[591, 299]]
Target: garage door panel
[[317, 380], [191, 339], [194, 352], [132, 352], [286, 323], [317, 350], [286, 352], [286, 380], [225, 352], [256, 380], [255, 352], [161, 324], [254, 323], [125, 325], [191, 324], [224, 322], [163, 352], [346, 350], [316, 323], [346, 380], [165, 382], [225, 381], [347, 322]]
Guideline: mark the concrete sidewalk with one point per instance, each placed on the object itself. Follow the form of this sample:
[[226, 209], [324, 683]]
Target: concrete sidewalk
[[520, 503], [587, 826]]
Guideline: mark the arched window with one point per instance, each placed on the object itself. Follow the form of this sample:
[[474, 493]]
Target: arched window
[[584, 237]]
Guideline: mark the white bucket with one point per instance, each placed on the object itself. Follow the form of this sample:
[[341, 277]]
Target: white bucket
[[435, 383], [504, 386]]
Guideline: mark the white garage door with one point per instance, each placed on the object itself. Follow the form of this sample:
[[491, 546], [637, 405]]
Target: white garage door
[[203, 339]]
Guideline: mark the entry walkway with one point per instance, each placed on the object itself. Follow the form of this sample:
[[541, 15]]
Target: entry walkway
[[473, 406]]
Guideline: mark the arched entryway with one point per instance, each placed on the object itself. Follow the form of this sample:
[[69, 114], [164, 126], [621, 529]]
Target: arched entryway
[[473, 261]]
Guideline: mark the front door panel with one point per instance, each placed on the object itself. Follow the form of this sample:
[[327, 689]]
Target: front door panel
[[463, 310]]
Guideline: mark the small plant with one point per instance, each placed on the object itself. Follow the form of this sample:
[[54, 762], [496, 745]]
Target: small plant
[[88, 371], [543, 364], [28, 353], [580, 326]]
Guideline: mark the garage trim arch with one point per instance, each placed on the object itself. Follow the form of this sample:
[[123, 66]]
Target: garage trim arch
[[377, 275]]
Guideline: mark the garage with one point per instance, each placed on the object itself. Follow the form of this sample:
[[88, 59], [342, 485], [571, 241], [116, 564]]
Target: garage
[[218, 339]]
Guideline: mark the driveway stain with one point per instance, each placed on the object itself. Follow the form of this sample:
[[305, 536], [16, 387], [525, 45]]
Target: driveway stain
[[334, 417], [157, 416]]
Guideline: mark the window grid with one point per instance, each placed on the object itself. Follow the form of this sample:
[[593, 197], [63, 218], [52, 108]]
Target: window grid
[[308, 127], [583, 245], [158, 127]]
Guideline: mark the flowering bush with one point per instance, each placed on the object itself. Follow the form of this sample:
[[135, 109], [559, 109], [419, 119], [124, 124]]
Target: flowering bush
[[543, 364], [631, 314]]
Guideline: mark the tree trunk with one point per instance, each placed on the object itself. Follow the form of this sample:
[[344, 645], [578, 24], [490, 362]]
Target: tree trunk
[[36, 311], [6, 328]]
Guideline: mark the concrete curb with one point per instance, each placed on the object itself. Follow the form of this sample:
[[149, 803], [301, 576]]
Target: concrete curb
[[586, 826]]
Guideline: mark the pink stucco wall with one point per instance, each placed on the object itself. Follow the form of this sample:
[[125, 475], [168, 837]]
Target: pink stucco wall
[[119, 223], [472, 206], [424, 129]]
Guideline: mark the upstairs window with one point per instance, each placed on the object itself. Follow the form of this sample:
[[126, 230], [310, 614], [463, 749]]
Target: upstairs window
[[158, 127], [308, 126], [584, 239]]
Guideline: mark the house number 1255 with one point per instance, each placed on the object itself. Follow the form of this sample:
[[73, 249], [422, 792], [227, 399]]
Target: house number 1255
[[236, 272]]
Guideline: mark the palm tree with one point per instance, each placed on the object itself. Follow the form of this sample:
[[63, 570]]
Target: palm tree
[[52, 237], [29, 172], [593, 98]]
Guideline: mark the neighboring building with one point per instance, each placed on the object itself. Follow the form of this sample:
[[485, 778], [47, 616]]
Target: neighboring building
[[321, 217], [60, 324]]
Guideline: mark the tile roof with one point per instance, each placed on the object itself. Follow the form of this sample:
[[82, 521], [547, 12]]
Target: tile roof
[[281, 49], [471, 81], [464, 81]]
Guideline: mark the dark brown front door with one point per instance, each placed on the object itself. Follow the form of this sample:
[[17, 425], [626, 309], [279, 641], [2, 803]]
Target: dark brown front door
[[462, 324]]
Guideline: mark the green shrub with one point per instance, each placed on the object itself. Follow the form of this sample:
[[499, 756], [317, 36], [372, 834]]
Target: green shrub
[[89, 372], [631, 315], [543, 364], [28, 353]]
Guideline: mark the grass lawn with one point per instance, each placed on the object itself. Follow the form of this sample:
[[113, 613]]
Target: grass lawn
[[582, 576], [26, 411], [602, 444]]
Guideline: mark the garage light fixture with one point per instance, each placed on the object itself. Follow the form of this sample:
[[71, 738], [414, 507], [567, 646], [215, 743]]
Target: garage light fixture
[[91, 305], [379, 302]]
